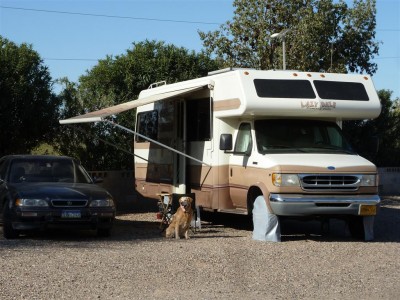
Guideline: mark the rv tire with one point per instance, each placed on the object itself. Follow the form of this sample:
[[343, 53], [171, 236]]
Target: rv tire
[[356, 227]]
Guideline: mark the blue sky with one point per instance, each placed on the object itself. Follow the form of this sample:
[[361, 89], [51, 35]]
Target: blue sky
[[70, 44]]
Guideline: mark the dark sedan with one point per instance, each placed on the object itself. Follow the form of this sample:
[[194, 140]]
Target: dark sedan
[[42, 191]]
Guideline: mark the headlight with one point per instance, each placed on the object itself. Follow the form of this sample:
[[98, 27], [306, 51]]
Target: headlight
[[102, 203], [279, 179], [31, 202], [368, 180]]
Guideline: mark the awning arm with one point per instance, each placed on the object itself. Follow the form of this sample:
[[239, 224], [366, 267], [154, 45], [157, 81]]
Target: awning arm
[[155, 142]]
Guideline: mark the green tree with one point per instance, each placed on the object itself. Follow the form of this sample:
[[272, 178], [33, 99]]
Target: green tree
[[119, 79], [69, 141], [386, 128], [324, 36], [28, 107]]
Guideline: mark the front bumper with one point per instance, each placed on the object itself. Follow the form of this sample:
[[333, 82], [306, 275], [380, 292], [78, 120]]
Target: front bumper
[[309, 205], [88, 219]]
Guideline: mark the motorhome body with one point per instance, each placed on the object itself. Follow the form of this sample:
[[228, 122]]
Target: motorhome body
[[236, 135], [251, 133]]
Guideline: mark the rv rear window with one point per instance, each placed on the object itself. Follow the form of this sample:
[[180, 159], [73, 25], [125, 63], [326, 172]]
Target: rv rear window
[[339, 90], [147, 125], [284, 88]]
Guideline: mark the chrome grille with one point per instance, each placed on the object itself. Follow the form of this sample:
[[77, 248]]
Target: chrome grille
[[68, 203], [323, 182]]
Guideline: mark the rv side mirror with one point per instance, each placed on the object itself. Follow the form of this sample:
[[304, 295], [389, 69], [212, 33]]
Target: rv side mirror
[[225, 142]]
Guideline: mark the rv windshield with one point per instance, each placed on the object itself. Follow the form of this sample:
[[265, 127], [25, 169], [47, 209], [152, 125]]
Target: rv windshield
[[295, 136]]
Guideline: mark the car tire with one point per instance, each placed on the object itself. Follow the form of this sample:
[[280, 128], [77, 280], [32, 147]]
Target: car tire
[[8, 231]]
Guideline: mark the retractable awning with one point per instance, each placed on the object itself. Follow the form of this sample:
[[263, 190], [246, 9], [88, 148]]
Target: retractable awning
[[100, 115]]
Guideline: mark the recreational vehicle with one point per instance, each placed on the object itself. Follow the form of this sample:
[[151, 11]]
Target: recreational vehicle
[[239, 134]]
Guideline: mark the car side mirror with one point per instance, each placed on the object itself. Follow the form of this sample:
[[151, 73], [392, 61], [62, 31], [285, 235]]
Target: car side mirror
[[225, 142]]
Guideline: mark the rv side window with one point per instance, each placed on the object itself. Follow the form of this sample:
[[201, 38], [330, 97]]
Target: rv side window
[[198, 120], [147, 125], [284, 88], [244, 141], [337, 90]]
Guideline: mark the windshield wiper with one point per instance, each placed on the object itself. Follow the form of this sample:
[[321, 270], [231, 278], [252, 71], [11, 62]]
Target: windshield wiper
[[334, 148], [283, 147]]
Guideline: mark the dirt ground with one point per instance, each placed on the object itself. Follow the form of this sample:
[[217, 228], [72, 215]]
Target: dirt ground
[[220, 261]]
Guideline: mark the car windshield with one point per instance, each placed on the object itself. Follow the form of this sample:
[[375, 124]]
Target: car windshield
[[300, 136], [45, 170]]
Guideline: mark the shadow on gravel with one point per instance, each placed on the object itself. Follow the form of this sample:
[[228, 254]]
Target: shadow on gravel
[[386, 227], [214, 225]]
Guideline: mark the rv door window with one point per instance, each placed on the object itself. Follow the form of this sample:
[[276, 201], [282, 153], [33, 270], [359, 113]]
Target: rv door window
[[284, 88], [244, 141], [198, 120], [147, 125], [338, 90]]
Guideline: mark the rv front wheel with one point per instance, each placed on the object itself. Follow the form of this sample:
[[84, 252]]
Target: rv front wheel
[[253, 193], [356, 227]]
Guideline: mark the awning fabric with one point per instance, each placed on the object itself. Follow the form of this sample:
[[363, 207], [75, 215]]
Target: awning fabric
[[99, 115]]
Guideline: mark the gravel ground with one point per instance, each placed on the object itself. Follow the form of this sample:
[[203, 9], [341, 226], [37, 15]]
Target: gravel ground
[[220, 261]]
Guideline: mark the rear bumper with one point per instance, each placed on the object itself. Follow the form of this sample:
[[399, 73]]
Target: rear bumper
[[308, 205]]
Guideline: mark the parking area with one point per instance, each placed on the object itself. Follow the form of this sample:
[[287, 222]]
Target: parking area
[[219, 261]]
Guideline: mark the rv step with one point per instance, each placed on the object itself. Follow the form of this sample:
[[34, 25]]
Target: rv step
[[233, 211]]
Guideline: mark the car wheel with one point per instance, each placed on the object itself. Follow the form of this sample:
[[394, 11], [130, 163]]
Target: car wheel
[[356, 227], [8, 231]]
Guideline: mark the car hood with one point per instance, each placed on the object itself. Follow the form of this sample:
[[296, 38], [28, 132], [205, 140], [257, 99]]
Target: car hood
[[59, 190]]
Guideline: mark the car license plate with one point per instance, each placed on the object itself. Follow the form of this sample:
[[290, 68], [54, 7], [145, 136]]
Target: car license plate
[[367, 210], [71, 214]]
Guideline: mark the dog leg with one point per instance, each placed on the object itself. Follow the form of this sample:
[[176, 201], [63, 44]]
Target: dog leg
[[169, 232], [187, 234], [177, 232]]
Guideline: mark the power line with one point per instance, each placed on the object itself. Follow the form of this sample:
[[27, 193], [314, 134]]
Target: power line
[[131, 18], [388, 57], [109, 16], [98, 59]]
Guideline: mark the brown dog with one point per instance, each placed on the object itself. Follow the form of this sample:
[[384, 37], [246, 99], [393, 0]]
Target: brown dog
[[180, 223]]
